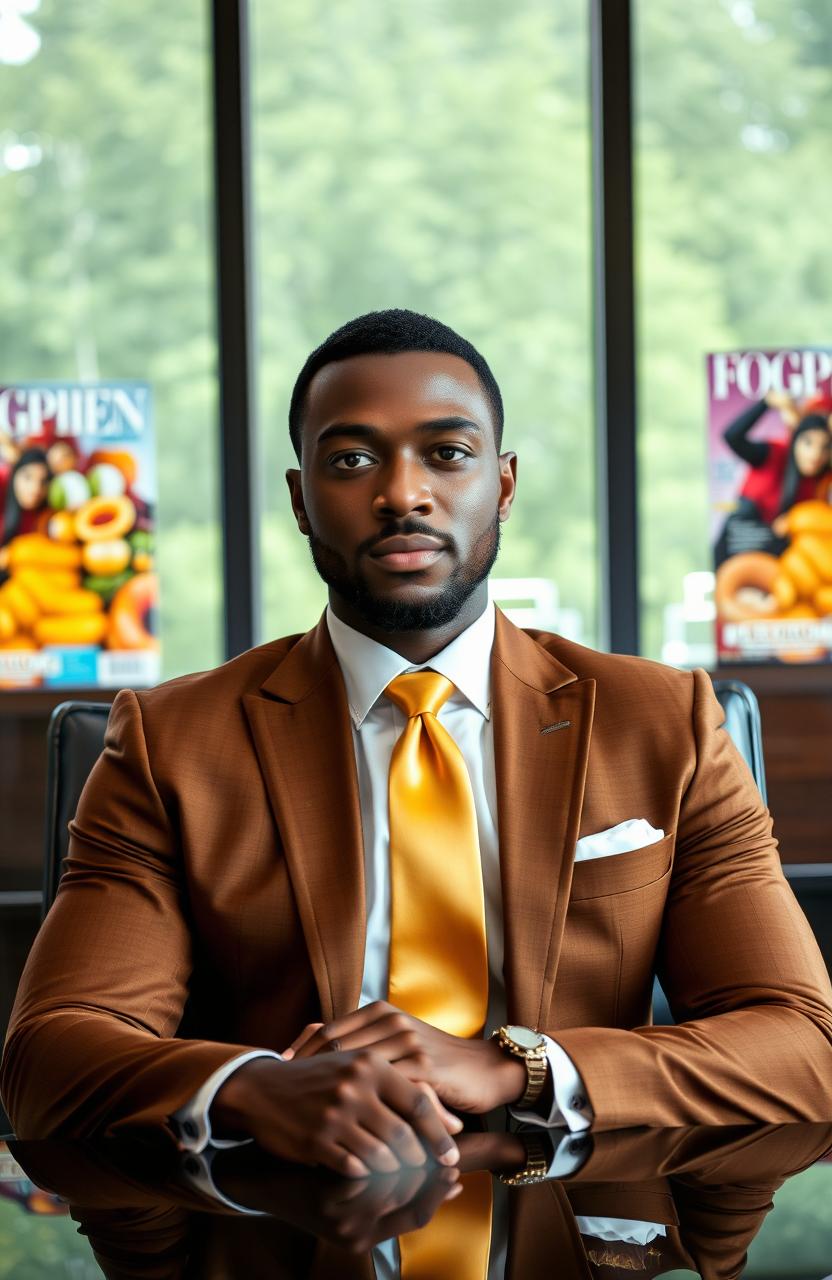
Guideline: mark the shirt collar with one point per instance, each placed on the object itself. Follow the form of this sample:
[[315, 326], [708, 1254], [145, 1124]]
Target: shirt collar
[[368, 667]]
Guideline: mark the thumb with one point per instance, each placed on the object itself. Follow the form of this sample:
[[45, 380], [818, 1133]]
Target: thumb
[[299, 1041]]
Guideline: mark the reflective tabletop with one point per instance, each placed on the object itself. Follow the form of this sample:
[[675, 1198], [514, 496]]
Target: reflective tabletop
[[714, 1202]]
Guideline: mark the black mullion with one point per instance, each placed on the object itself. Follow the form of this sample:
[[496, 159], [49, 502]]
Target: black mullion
[[614, 324], [239, 470]]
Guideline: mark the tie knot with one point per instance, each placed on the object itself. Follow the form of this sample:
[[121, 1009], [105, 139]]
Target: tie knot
[[420, 692]]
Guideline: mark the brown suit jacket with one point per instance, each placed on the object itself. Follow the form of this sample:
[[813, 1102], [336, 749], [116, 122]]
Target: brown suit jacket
[[216, 870]]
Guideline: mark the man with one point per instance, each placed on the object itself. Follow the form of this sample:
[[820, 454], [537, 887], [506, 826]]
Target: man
[[370, 845]]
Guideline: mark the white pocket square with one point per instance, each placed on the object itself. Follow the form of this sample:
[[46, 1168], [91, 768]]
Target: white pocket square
[[635, 833]]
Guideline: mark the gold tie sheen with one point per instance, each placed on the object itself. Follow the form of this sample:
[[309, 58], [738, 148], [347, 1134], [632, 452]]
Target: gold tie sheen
[[456, 1242], [438, 956]]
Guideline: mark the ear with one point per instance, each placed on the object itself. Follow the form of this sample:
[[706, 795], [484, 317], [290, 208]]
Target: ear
[[293, 479], [508, 483]]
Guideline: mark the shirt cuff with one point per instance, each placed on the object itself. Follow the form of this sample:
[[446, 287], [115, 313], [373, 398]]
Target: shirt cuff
[[570, 1155], [570, 1105], [196, 1172], [192, 1120]]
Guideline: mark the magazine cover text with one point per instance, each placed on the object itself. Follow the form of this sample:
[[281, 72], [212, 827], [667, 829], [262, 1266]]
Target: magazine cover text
[[78, 591], [770, 416]]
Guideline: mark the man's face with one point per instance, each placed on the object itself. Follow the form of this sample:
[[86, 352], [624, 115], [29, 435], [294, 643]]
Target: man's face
[[401, 491]]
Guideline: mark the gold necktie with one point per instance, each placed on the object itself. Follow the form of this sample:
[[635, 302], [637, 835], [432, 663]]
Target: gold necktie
[[455, 1243], [438, 956]]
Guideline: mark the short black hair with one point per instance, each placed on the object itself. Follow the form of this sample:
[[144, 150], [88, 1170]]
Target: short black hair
[[391, 333]]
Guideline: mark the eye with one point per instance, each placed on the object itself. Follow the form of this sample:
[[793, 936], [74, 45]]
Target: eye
[[351, 461], [444, 450]]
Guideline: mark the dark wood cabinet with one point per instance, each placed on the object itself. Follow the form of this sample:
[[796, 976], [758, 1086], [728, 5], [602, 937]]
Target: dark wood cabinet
[[796, 712]]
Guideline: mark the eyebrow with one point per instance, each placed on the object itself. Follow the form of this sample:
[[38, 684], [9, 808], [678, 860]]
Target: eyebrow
[[364, 431]]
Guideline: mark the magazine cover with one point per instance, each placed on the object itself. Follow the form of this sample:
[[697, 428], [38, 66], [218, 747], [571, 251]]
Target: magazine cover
[[78, 591], [770, 432]]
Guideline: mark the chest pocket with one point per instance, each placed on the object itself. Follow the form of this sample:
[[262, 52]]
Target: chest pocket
[[622, 872]]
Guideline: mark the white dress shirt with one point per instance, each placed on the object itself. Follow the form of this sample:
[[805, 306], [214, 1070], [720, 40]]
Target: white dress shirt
[[377, 723]]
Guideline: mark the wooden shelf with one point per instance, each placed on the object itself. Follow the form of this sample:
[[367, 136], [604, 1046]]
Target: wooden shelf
[[798, 679], [39, 703]]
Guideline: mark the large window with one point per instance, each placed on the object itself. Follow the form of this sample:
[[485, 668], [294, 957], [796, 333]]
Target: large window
[[734, 188], [106, 273], [107, 261], [434, 156]]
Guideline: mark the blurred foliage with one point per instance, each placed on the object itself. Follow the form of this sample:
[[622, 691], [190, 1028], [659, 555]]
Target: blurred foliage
[[433, 156], [34, 1247], [796, 1237], [430, 155]]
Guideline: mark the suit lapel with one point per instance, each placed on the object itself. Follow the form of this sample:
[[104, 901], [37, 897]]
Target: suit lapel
[[301, 729], [542, 721]]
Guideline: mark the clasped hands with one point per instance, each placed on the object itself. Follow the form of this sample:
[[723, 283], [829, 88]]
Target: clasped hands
[[368, 1092]]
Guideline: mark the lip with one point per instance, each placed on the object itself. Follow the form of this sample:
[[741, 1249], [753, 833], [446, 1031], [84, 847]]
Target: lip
[[411, 552]]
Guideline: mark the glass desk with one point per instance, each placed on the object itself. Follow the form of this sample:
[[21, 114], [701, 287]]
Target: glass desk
[[718, 1203]]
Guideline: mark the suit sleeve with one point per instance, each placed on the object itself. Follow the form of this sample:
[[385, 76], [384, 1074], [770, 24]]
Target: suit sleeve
[[91, 1047], [740, 966]]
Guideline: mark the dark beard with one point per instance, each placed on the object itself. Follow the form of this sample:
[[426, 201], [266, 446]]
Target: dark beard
[[406, 615]]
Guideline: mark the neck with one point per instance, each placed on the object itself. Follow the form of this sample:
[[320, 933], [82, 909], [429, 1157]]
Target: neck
[[416, 646]]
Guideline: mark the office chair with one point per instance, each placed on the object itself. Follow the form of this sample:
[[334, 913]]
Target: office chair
[[75, 740], [742, 721]]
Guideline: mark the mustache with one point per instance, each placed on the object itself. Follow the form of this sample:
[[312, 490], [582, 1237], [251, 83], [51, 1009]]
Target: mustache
[[401, 529]]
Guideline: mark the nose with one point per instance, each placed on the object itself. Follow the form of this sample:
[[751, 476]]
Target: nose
[[403, 489]]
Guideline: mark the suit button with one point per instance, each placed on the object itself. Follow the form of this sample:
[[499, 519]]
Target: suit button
[[577, 1102], [190, 1129]]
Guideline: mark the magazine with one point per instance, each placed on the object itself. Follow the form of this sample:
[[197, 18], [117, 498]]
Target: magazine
[[770, 432], [78, 587]]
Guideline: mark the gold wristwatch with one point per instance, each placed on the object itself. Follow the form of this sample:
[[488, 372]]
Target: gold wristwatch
[[530, 1045]]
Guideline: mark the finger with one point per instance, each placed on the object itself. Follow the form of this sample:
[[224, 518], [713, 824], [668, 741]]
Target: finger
[[301, 1040], [381, 1195], [419, 1211], [391, 1129], [400, 1216], [338, 1158], [425, 1115], [416, 1071], [393, 1046], [418, 1106], [452, 1121], [368, 1145], [330, 1035]]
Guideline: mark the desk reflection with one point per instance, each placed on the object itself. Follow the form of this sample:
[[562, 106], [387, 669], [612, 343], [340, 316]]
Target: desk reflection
[[643, 1201]]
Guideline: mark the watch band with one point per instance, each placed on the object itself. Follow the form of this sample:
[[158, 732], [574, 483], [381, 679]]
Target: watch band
[[538, 1160], [536, 1068], [534, 1058]]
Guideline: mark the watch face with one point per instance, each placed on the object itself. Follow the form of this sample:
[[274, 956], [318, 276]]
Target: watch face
[[524, 1037]]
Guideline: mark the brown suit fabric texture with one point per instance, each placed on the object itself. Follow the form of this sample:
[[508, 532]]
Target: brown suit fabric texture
[[213, 897]]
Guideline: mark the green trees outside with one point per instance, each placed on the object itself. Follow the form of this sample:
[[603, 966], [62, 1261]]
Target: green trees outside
[[434, 157], [423, 155]]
